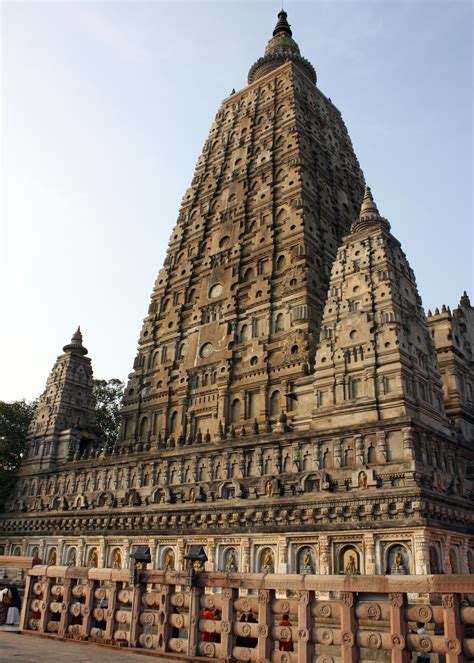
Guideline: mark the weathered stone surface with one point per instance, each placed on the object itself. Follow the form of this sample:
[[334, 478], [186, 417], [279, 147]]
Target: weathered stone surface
[[291, 409]]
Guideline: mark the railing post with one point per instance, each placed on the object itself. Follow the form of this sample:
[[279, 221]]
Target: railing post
[[112, 606], [88, 609], [227, 640], [26, 607], [63, 623], [135, 614], [349, 653], [305, 642], [45, 614], [193, 628], [265, 642], [164, 614], [398, 628], [453, 631]]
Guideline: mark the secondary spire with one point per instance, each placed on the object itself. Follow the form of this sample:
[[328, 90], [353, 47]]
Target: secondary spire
[[369, 214]]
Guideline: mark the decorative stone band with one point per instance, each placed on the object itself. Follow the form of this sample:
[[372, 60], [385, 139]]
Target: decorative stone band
[[271, 61], [160, 612]]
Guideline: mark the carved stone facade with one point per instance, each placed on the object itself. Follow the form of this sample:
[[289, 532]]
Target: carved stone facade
[[290, 408]]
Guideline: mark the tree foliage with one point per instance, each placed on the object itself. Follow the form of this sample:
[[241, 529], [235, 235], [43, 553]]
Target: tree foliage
[[108, 398], [15, 419]]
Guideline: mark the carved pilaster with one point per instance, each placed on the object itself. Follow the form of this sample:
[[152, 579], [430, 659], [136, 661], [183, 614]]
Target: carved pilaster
[[324, 558], [369, 545], [408, 443], [382, 446]]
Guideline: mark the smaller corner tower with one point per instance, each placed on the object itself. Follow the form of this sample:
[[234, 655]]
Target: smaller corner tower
[[64, 424], [375, 359], [452, 333]]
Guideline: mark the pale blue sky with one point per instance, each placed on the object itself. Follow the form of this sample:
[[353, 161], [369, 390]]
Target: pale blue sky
[[106, 107]]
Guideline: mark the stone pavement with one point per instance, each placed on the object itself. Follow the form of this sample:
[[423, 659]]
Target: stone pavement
[[17, 648]]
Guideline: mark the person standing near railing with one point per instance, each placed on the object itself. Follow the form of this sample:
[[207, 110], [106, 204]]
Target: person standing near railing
[[13, 615], [5, 600]]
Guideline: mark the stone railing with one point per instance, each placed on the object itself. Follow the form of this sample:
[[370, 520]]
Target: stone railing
[[255, 617]]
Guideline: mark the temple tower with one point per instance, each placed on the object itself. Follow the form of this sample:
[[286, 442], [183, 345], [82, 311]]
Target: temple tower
[[63, 426], [235, 312], [285, 410], [453, 337], [375, 360]]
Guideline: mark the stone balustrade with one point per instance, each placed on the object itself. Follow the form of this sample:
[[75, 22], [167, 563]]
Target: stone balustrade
[[256, 617]]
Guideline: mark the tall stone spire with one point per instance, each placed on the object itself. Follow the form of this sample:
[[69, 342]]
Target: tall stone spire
[[63, 425], [374, 359], [236, 308], [280, 49]]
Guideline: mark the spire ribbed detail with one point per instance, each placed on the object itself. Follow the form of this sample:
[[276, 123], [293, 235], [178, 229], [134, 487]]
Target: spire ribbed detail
[[75, 346], [280, 49]]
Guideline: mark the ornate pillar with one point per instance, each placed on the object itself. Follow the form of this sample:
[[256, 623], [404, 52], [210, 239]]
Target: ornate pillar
[[180, 557], [398, 628], [382, 446], [408, 443], [339, 391], [453, 629], [369, 545], [265, 622], [324, 557], [359, 449], [228, 597], [317, 455], [349, 650], [337, 452], [245, 556], [152, 546], [305, 624], [282, 566], [211, 555], [126, 553], [421, 553]]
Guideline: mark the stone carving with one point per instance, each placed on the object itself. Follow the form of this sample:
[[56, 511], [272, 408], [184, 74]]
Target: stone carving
[[257, 360]]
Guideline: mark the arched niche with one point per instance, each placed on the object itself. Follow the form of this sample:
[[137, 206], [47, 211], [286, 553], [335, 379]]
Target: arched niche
[[305, 560], [235, 411], [116, 558], [266, 560], [349, 560], [167, 559], [230, 560], [93, 557], [397, 560], [435, 559], [274, 403]]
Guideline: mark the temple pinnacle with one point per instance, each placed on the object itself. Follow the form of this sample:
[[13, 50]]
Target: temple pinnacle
[[75, 345], [282, 24], [369, 214], [368, 208]]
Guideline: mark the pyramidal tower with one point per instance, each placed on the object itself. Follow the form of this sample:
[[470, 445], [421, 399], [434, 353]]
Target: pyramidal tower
[[235, 313], [64, 423], [286, 408]]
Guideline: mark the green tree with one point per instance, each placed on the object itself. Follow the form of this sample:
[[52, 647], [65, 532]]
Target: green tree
[[15, 419], [108, 398]]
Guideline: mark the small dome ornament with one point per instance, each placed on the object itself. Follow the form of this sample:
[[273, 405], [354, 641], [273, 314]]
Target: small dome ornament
[[75, 346], [369, 214]]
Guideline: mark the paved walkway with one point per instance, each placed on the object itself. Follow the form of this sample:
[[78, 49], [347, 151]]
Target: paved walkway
[[17, 648]]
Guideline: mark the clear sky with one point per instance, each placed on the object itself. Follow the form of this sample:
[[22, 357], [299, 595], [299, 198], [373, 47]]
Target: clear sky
[[106, 107]]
